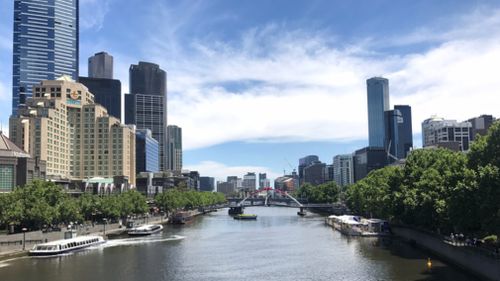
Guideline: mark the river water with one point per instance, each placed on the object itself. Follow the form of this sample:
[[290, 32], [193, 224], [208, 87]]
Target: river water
[[278, 246]]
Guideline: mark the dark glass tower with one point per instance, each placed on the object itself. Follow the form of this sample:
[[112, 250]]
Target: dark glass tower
[[392, 136], [146, 105], [45, 44], [107, 92], [378, 102], [146, 152], [405, 131]]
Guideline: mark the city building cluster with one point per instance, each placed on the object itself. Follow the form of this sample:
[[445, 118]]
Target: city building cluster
[[70, 129]]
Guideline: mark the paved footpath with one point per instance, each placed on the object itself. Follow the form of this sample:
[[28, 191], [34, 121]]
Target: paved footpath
[[12, 244]]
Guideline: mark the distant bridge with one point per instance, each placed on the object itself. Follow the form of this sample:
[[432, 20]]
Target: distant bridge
[[236, 205]]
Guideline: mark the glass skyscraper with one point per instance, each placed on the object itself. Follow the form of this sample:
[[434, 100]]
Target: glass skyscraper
[[174, 140], [146, 105], [45, 44], [146, 152], [378, 103]]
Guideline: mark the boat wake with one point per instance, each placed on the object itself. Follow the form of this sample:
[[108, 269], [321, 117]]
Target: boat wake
[[139, 241]]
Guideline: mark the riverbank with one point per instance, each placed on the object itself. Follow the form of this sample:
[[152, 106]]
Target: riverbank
[[471, 260]]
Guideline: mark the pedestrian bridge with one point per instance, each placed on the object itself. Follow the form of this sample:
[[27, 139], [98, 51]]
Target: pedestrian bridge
[[276, 197]]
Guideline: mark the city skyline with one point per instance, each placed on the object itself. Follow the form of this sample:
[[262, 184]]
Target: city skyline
[[269, 108]]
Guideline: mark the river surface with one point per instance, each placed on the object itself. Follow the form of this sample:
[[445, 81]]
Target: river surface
[[278, 246]]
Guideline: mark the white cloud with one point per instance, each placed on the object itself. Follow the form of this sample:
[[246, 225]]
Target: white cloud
[[220, 171], [93, 13], [295, 85]]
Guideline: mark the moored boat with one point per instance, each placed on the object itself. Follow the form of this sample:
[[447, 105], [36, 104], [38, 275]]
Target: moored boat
[[147, 229], [65, 245], [181, 217], [358, 226], [245, 217]]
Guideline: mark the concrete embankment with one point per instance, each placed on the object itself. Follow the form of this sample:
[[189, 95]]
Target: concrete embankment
[[471, 260]]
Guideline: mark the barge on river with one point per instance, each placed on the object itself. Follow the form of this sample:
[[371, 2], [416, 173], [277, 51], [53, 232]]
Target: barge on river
[[358, 226]]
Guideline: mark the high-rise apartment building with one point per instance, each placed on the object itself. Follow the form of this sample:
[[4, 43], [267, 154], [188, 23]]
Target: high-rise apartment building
[[438, 132], [378, 103], [343, 169], [45, 44], [63, 126], [174, 148], [101, 66], [146, 105], [146, 152], [250, 182]]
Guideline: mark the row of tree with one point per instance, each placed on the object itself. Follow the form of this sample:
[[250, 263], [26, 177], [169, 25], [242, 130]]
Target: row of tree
[[324, 193], [45, 203], [178, 198], [437, 189]]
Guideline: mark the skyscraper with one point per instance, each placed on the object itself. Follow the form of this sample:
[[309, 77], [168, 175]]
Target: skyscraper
[[392, 119], [304, 162], [174, 148], [405, 131], [101, 66], [250, 181], [45, 44], [378, 102], [343, 169], [146, 151], [146, 105]]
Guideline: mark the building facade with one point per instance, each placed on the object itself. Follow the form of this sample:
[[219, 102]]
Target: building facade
[[368, 159], [226, 187], [438, 132], [304, 162], [250, 182], [45, 44], [315, 173], [146, 105], [207, 184], [107, 92], [378, 103], [481, 124], [146, 152], [174, 148], [17, 168], [343, 169], [405, 131], [101, 66], [63, 126]]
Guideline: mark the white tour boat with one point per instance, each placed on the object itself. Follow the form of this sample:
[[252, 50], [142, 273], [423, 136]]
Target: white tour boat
[[65, 245], [147, 229]]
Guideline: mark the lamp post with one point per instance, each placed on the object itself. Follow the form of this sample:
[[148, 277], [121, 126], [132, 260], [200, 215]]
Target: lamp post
[[105, 221], [24, 237]]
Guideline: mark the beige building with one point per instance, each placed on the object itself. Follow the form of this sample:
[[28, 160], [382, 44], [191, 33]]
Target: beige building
[[62, 125]]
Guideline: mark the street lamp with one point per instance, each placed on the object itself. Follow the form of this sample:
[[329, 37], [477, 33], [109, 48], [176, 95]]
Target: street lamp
[[24, 237], [105, 220]]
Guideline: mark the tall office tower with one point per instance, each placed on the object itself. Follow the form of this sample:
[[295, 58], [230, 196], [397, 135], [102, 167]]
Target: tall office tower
[[101, 66], [263, 180], [146, 152], [368, 159], [146, 105], [343, 169], [314, 173], [391, 141], [378, 102], [63, 126], [207, 184], [107, 91], [304, 162], [45, 44], [405, 131], [174, 148], [250, 182], [438, 132], [329, 172], [481, 124]]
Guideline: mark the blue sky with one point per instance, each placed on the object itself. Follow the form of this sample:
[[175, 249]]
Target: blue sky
[[255, 85]]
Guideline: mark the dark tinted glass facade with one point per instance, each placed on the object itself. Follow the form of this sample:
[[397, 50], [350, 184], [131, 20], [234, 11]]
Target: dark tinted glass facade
[[378, 102], [45, 44], [405, 130], [147, 79], [146, 150], [101, 66], [368, 159], [207, 184], [107, 92]]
